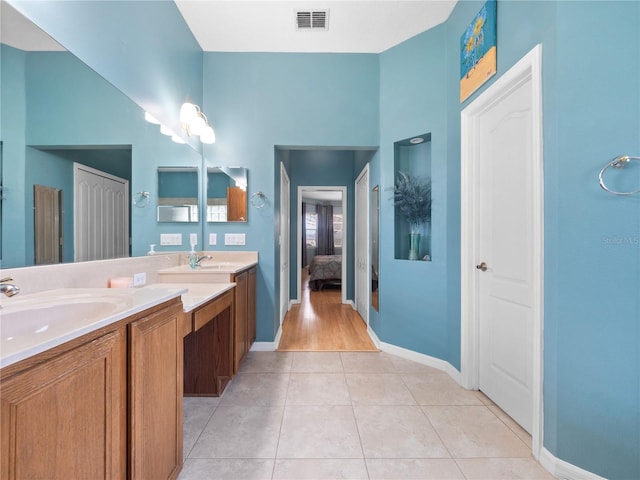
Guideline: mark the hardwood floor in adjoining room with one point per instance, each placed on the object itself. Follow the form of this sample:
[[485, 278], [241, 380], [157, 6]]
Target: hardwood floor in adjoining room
[[322, 323]]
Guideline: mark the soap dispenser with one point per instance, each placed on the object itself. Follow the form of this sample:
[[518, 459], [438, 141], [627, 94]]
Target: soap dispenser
[[193, 257], [152, 249]]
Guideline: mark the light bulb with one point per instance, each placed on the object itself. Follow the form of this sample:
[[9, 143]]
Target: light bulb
[[151, 119], [188, 113], [208, 135], [197, 125]]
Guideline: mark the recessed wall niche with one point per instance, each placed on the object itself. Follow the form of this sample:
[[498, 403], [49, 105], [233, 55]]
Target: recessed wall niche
[[412, 198]]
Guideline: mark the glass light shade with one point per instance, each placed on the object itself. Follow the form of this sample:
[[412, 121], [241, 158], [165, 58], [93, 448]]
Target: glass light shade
[[177, 139], [197, 125], [208, 135], [188, 112], [165, 131], [151, 119]]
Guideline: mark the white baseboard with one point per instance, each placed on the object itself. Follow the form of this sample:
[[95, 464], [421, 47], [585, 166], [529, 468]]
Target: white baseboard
[[268, 346], [421, 358], [564, 470]]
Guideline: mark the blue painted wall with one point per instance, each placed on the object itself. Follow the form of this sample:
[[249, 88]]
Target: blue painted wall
[[258, 101], [591, 104], [144, 48]]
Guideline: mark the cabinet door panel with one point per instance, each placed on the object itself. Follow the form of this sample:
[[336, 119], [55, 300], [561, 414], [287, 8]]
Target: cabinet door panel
[[155, 395], [67, 417], [251, 307]]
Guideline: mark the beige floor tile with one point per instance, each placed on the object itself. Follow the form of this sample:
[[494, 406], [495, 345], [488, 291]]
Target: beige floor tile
[[196, 412], [503, 469], [402, 365], [312, 362], [378, 389], [227, 469], [327, 431], [266, 362], [318, 389], [474, 431], [414, 469], [369, 362], [320, 469], [511, 423], [260, 389], [397, 432], [438, 389], [240, 431], [483, 398]]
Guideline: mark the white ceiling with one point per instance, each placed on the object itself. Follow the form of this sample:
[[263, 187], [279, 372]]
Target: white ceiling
[[354, 26]]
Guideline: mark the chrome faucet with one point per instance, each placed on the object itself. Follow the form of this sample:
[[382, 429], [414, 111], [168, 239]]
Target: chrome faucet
[[8, 288], [200, 259]]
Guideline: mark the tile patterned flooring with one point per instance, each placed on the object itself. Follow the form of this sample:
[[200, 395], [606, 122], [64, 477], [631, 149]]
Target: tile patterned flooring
[[347, 415]]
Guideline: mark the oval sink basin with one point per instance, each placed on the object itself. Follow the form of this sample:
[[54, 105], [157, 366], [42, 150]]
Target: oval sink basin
[[30, 324], [28, 319]]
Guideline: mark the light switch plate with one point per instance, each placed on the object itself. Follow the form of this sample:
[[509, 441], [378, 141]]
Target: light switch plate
[[213, 239], [234, 239], [193, 239], [170, 239]]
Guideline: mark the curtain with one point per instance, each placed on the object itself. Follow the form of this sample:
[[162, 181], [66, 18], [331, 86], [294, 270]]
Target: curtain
[[325, 230]]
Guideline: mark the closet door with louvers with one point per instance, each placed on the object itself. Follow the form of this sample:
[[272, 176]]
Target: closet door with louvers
[[101, 215]]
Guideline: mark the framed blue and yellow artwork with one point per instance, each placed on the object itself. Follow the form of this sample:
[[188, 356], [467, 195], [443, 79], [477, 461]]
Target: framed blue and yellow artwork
[[478, 50]]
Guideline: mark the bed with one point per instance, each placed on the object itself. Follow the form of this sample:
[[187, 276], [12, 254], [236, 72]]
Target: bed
[[324, 270]]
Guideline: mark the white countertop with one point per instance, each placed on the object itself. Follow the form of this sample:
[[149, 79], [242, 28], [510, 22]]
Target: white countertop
[[211, 267], [31, 324], [197, 294]]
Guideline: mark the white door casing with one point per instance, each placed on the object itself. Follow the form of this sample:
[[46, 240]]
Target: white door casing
[[361, 254], [101, 215], [502, 225], [343, 191], [284, 239]]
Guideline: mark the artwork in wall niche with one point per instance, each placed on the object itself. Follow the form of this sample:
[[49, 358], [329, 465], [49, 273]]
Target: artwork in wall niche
[[478, 50]]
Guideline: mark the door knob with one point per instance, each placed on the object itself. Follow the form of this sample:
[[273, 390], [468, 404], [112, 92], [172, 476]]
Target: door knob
[[482, 266]]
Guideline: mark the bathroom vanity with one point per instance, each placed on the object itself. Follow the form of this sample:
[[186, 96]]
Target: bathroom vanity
[[89, 407]]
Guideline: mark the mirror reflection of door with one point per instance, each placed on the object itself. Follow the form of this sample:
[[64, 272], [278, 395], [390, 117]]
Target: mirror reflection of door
[[236, 204], [48, 225]]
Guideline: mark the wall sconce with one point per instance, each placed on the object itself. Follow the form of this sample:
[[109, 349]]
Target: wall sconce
[[195, 122]]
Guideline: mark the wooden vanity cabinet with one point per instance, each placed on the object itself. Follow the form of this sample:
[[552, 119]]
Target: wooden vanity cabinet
[[66, 417], [245, 317], [155, 395], [208, 349], [107, 405]]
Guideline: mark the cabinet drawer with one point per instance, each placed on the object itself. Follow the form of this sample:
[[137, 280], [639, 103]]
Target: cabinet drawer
[[207, 313]]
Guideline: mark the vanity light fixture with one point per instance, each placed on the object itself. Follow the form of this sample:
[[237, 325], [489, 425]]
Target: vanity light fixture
[[195, 122], [177, 139], [151, 119], [165, 131]]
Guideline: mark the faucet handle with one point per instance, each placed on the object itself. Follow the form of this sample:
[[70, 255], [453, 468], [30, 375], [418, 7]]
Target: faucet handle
[[6, 279]]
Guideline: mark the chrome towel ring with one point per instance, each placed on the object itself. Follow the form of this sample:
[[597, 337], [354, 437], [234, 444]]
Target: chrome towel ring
[[259, 200], [620, 161]]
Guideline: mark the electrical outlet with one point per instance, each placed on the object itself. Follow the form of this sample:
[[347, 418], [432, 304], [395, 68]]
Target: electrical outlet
[[139, 279], [213, 239]]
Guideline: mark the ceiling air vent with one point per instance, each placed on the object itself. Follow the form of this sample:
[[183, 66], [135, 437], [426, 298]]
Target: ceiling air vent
[[312, 19]]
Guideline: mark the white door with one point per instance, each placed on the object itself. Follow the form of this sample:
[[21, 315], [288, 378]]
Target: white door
[[285, 216], [362, 244], [503, 161], [101, 215]]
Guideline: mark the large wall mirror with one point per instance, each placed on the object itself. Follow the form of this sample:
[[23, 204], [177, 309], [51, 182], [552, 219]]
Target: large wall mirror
[[226, 194], [178, 194], [56, 111]]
